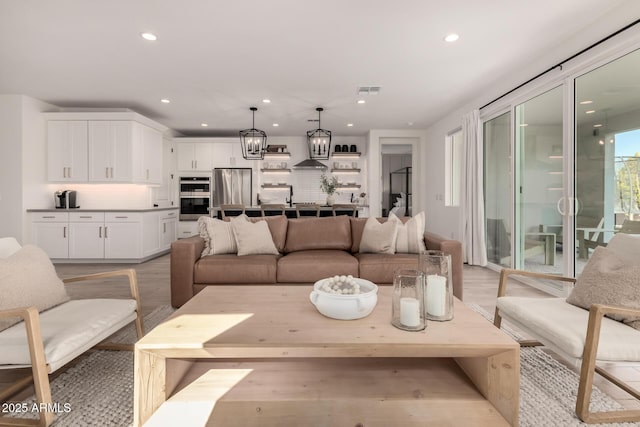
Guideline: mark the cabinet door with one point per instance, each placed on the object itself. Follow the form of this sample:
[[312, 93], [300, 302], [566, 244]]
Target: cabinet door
[[67, 147], [86, 240], [100, 167], [150, 237], [123, 240], [168, 232], [121, 151], [203, 156], [52, 237], [186, 156], [222, 154], [152, 155]]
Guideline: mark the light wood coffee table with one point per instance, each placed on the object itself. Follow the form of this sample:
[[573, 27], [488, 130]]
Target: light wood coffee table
[[264, 356]]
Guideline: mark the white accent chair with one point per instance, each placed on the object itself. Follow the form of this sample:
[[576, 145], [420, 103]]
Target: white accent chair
[[582, 337], [48, 340]]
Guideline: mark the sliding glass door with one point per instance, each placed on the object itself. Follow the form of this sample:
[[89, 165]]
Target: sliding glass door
[[607, 159]]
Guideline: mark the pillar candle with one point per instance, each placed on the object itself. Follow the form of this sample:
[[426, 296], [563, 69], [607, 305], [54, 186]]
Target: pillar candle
[[409, 312], [436, 295]]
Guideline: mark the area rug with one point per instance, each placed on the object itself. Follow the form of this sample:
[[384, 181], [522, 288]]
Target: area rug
[[99, 389]]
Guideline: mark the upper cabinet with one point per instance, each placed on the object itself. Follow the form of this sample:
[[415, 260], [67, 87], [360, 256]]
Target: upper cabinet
[[97, 149], [67, 150], [195, 156]]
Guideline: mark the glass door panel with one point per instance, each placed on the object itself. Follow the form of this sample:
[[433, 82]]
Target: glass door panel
[[497, 189], [539, 183], [607, 147]]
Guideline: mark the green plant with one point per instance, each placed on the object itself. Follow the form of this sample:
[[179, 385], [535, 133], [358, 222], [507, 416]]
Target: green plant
[[328, 184]]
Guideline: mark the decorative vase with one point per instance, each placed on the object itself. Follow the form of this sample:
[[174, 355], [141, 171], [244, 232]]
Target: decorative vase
[[438, 292], [330, 200]]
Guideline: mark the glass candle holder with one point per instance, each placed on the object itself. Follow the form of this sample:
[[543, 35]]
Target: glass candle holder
[[438, 292], [408, 300]]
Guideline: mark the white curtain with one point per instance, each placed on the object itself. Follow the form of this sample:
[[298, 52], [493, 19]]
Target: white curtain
[[471, 191]]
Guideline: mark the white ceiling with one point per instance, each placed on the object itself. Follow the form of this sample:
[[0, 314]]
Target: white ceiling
[[214, 59]]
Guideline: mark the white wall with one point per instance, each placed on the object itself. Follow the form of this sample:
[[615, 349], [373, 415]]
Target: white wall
[[11, 166]]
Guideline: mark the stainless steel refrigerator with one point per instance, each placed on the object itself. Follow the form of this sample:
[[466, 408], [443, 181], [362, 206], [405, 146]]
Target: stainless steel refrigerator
[[232, 186]]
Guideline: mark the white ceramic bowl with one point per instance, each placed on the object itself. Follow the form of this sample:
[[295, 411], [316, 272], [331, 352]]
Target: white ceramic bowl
[[345, 307]]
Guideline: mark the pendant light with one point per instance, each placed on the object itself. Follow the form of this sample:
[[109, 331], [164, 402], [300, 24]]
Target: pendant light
[[253, 141], [319, 141]]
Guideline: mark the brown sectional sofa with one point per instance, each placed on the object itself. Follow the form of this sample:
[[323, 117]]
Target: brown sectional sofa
[[310, 249]]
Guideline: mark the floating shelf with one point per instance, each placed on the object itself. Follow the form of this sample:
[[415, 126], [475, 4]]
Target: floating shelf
[[348, 186], [275, 186], [333, 170], [349, 154], [279, 155], [276, 170]]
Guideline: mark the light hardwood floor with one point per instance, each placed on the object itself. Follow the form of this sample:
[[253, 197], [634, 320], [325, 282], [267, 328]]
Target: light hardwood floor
[[480, 287]]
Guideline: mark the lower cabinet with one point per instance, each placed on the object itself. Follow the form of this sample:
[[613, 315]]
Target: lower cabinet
[[125, 236]]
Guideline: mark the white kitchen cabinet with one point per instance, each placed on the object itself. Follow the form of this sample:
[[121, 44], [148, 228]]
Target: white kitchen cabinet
[[50, 232], [228, 153], [166, 193], [150, 236], [147, 155], [110, 151], [195, 156], [67, 147], [122, 235], [168, 229], [86, 235], [187, 229]]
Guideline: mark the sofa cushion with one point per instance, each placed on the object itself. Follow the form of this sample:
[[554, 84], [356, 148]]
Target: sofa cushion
[[379, 238], [8, 246], [230, 269], [607, 279], [28, 278], [563, 328], [410, 239], [218, 236], [68, 330], [253, 238], [313, 265], [305, 234], [379, 268]]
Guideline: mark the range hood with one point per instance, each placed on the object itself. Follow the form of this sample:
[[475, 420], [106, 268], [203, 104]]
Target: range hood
[[310, 164]]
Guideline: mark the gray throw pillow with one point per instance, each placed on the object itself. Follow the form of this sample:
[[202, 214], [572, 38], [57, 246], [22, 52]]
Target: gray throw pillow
[[608, 279]]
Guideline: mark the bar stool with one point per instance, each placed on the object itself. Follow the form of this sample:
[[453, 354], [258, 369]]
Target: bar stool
[[301, 208], [344, 208], [272, 209], [231, 208]]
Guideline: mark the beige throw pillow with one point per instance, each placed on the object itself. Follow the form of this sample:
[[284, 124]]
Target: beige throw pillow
[[410, 238], [28, 278], [253, 238], [608, 279], [218, 236], [379, 238]]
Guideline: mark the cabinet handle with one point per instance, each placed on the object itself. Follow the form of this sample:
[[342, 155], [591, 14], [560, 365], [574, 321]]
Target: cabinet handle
[[122, 217], [147, 173], [86, 216], [106, 172], [111, 172], [64, 172], [164, 225], [192, 164], [64, 232], [105, 232], [100, 232], [48, 216], [69, 172], [196, 164]]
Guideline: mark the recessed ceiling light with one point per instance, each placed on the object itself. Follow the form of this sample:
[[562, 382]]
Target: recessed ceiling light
[[266, 101], [204, 125], [275, 125], [586, 102], [149, 36], [599, 125], [410, 123], [361, 101], [165, 101], [350, 125], [590, 112], [449, 38]]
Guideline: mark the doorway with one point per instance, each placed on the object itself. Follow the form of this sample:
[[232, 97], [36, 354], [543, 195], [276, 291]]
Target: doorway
[[396, 187]]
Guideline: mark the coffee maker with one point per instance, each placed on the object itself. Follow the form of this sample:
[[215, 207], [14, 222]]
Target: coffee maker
[[65, 199]]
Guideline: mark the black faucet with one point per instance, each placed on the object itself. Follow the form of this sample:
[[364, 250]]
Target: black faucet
[[290, 201]]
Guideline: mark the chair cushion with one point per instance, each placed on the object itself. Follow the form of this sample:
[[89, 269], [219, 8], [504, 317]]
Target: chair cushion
[[68, 330], [313, 265], [379, 268], [305, 234], [232, 269], [28, 278], [607, 279], [564, 326]]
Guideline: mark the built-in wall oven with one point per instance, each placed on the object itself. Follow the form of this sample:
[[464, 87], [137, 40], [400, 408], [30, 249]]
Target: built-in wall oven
[[195, 197]]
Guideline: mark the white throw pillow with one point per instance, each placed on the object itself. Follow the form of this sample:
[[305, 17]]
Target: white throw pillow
[[410, 238], [28, 278], [253, 238], [218, 236], [379, 238]]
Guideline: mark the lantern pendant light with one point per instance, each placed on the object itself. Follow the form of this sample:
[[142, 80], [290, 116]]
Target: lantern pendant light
[[319, 141], [253, 141]]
